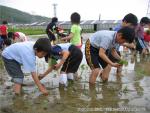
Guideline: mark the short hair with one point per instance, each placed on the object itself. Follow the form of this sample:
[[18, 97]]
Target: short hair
[[127, 33], [75, 18], [131, 18], [4, 22], [7, 42], [145, 20], [42, 44], [10, 35], [54, 19]]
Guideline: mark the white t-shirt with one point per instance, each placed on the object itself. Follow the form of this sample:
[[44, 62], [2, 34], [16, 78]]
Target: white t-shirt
[[64, 46]]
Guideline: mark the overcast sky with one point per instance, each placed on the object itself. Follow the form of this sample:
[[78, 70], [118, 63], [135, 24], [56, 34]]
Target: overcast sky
[[88, 9]]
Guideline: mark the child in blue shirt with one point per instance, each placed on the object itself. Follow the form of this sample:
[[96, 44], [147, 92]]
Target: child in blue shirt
[[24, 54], [70, 58]]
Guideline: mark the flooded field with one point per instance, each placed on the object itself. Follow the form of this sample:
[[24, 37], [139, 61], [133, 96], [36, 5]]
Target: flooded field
[[129, 92]]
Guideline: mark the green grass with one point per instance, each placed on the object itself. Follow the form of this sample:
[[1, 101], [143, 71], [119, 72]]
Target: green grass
[[38, 31], [28, 31]]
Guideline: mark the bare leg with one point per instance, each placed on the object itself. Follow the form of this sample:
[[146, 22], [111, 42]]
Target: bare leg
[[17, 88], [105, 73], [94, 74], [118, 71]]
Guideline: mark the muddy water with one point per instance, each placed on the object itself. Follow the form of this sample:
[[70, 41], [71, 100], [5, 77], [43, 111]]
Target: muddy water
[[129, 92]]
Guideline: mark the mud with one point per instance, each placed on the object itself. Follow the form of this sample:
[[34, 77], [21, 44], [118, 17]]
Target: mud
[[128, 92]]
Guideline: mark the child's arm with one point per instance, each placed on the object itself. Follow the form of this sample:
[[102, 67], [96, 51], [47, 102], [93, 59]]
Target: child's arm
[[38, 83], [129, 45], [115, 54], [106, 59], [51, 31], [65, 55], [67, 37], [41, 76]]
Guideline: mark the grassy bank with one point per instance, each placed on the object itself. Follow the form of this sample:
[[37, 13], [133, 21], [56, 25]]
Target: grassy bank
[[38, 31], [28, 31]]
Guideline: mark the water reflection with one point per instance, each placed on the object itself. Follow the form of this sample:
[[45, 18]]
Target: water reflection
[[130, 90]]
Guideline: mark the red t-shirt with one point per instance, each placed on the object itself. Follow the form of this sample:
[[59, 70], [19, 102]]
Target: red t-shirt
[[3, 30], [146, 37]]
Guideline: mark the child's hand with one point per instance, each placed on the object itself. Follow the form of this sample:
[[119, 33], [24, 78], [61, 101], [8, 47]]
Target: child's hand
[[57, 66], [41, 76], [64, 39], [144, 51], [43, 90], [116, 65]]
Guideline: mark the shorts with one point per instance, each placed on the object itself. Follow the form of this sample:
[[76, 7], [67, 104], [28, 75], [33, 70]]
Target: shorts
[[14, 70], [72, 63], [51, 37], [1, 42], [140, 45], [92, 57]]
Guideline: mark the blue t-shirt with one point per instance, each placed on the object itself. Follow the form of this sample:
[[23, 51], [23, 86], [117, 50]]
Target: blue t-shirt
[[57, 49], [23, 53]]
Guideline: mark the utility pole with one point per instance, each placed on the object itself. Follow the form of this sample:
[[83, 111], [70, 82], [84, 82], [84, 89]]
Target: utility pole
[[148, 9], [99, 17], [54, 6]]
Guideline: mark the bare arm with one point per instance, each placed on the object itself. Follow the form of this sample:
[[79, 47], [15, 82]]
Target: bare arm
[[38, 83], [41, 76], [115, 54], [49, 70], [65, 55], [129, 45], [68, 37], [106, 59], [57, 66], [51, 31]]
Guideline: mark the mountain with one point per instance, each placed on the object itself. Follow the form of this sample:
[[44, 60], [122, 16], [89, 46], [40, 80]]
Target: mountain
[[16, 16]]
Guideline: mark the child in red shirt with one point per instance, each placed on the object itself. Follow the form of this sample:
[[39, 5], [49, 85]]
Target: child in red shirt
[[3, 33], [147, 40]]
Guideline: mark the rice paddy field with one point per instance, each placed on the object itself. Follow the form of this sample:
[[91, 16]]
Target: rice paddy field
[[128, 92]]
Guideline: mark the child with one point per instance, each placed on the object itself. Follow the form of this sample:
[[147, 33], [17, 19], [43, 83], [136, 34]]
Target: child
[[140, 44], [75, 35], [70, 58], [3, 33], [7, 42], [96, 46], [17, 36], [24, 53], [147, 40], [51, 29], [129, 20]]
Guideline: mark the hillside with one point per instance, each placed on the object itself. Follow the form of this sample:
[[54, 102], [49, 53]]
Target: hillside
[[16, 16]]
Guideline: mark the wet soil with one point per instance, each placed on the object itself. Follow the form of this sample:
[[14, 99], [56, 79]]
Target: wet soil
[[128, 92]]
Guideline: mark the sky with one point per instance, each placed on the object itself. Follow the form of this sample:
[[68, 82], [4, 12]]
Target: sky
[[88, 9]]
